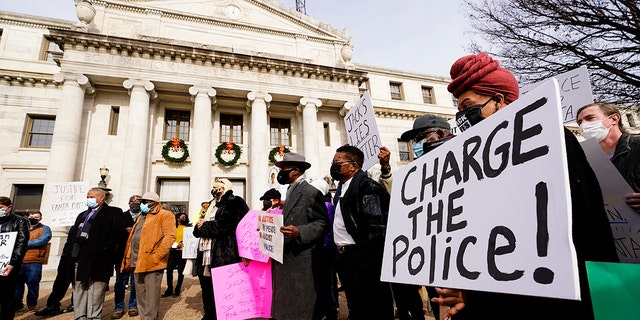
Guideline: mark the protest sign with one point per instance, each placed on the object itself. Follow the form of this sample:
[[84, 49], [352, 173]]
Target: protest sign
[[190, 244], [7, 241], [625, 223], [242, 292], [271, 239], [249, 238], [614, 290], [362, 130], [575, 91], [490, 209], [65, 201]]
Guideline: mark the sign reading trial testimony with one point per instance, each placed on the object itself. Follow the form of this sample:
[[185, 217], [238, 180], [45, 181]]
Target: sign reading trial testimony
[[490, 209], [362, 130]]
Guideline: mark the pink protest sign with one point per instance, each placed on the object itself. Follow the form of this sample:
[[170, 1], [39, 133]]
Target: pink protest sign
[[242, 292], [249, 238]]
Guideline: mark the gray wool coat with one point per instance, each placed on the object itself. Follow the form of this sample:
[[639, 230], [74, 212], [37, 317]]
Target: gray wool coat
[[294, 294]]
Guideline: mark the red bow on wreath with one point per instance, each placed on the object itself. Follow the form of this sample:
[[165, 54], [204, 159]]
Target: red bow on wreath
[[229, 146], [281, 150], [175, 143]]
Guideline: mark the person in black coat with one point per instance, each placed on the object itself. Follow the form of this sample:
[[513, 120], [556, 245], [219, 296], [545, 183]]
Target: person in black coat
[[359, 228], [94, 236], [218, 245], [9, 273]]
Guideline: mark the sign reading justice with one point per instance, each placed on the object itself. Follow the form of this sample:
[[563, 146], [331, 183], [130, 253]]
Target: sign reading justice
[[490, 209]]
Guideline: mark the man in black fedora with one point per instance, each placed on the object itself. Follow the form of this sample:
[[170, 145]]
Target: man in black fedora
[[305, 223]]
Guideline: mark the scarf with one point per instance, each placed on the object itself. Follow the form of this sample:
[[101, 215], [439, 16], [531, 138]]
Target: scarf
[[205, 244]]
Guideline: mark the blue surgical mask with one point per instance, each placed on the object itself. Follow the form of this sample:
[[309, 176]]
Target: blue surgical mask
[[92, 203], [417, 148], [144, 208]]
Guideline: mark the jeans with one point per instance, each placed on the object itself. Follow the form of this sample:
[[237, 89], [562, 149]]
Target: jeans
[[119, 290], [30, 274]]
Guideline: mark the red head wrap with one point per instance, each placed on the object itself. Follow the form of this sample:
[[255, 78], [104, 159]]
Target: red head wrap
[[482, 75]]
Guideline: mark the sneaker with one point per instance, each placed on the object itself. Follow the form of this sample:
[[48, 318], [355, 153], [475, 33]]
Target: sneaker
[[117, 314], [48, 311], [133, 312], [68, 309]]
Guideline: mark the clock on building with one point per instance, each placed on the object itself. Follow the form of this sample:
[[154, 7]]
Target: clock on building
[[232, 12]]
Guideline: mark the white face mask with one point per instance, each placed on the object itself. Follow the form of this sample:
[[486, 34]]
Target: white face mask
[[595, 129], [3, 212]]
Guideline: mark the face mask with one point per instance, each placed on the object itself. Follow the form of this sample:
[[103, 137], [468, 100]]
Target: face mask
[[417, 148], [184, 221], [92, 203], [429, 146], [594, 129], [283, 176], [266, 203], [134, 207], [215, 193], [335, 172], [3, 212], [144, 208], [33, 221], [470, 116]]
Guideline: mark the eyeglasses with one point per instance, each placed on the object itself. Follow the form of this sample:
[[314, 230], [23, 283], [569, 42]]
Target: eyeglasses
[[340, 163], [421, 136]]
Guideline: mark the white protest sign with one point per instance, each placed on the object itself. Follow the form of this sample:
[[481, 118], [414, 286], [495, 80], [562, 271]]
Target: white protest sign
[[362, 130], [271, 239], [575, 91], [625, 223], [190, 244], [490, 209], [65, 201], [7, 241]]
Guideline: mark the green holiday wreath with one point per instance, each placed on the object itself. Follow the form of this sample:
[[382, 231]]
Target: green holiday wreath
[[175, 144], [277, 150], [227, 147]]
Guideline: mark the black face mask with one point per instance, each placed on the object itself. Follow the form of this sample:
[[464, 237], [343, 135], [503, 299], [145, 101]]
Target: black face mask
[[184, 221], [283, 176], [215, 193], [134, 207], [335, 173], [266, 204], [470, 116], [33, 221]]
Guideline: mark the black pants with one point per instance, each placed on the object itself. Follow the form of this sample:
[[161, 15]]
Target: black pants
[[208, 302], [61, 283], [367, 296], [408, 301], [7, 294], [175, 263]]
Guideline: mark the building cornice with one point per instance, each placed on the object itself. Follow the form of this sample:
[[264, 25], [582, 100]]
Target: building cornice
[[26, 78], [30, 21], [389, 113], [201, 54], [401, 73]]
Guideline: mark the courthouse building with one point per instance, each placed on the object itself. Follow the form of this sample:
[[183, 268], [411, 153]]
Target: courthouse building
[[232, 81]]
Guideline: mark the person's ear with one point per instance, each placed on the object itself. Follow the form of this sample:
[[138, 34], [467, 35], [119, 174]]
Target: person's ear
[[499, 100]]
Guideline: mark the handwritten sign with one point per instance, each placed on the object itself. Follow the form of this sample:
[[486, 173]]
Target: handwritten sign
[[190, 244], [575, 91], [65, 201], [362, 130], [625, 223], [271, 239], [249, 238], [7, 241], [242, 292], [614, 290], [490, 209]]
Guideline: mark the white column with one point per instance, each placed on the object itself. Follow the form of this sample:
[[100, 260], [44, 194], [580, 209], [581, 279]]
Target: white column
[[136, 146], [309, 108], [259, 147], [200, 145], [65, 143]]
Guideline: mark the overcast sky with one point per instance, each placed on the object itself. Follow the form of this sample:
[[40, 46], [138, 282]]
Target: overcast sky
[[424, 36]]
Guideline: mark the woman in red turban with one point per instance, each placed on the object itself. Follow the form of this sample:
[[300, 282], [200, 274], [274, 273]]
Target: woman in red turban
[[482, 88]]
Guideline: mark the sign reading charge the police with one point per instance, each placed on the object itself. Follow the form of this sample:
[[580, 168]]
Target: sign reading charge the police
[[490, 209], [362, 130]]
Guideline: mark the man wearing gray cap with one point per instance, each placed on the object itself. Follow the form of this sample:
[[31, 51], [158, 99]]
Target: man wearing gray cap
[[305, 223], [428, 132], [147, 252]]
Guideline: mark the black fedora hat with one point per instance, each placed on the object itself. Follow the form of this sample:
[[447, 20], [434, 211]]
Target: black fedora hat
[[424, 122], [271, 194], [292, 158]]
